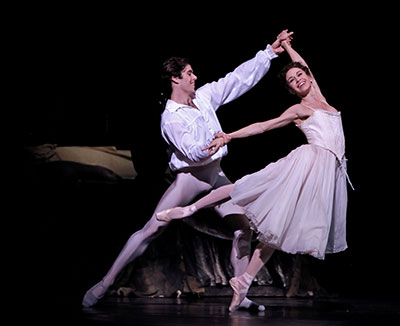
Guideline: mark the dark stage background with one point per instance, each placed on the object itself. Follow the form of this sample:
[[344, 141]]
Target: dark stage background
[[104, 89]]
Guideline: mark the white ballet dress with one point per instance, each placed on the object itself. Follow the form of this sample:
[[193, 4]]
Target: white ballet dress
[[298, 204]]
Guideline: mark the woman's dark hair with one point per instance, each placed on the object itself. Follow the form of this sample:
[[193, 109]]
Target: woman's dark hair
[[171, 67], [283, 72]]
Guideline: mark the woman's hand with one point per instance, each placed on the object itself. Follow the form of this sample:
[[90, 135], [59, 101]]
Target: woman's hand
[[226, 137], [220, 140], [283, 36]]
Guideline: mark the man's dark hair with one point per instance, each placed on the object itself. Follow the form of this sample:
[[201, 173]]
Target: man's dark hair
[[172, 67]]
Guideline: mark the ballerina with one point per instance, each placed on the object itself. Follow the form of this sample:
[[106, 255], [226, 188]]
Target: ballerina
[[297, 204]]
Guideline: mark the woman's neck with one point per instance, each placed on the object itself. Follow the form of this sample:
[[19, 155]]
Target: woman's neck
[[314, 98]]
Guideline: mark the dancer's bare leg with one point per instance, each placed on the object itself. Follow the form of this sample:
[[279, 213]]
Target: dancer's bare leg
[[213, 198], [241, 284]]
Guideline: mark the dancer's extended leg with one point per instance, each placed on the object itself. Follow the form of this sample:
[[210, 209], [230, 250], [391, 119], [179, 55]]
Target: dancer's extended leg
[[241, 284], [134, 247], [182, 191], [213, 198]]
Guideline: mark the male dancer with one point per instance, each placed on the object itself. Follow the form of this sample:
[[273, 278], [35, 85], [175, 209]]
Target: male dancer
[[188, 124]]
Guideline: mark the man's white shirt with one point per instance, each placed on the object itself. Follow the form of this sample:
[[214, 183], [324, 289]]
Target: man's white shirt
[[188, 130]]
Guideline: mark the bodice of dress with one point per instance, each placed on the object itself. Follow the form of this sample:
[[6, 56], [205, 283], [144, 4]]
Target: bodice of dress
[[324, 128]]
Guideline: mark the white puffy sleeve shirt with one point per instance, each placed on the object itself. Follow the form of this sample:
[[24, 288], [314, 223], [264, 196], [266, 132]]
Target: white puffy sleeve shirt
[[188, 130]]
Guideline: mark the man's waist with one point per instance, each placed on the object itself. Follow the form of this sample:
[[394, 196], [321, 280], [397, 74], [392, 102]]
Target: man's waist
[[178, 165]]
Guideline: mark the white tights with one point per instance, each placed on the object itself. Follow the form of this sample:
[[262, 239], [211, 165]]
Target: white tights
[[213, 198], [185, 187]]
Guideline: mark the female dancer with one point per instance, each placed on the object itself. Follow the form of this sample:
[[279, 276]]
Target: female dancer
[[297, 204]]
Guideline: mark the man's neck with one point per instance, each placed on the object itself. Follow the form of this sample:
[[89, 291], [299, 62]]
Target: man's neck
[[182, 99]]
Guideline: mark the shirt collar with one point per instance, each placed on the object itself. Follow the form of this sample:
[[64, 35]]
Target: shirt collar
[[173, 106]]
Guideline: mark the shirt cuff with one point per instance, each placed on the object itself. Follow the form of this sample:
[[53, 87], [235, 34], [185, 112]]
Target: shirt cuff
[[270, 53]]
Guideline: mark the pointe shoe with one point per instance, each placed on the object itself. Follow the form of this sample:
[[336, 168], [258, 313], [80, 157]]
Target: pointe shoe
[[90, 299], [163, 215], [239, 293], [175, 213]]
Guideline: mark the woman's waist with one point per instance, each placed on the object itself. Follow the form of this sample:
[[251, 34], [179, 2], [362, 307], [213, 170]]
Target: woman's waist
[[338, 149]]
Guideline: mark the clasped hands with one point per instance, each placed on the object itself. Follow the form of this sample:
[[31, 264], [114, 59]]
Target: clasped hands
[[283, 36], [220, 139]]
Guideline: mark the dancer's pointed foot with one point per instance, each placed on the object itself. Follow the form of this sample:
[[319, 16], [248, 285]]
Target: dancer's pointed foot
[[249, 305], [175, 213], [240, 289], [94, 294]]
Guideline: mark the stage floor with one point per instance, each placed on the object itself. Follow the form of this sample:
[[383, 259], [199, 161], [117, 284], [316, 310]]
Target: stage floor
[[213, 311]]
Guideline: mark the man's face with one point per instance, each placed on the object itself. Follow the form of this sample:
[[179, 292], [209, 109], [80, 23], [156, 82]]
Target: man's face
[[187, 81]]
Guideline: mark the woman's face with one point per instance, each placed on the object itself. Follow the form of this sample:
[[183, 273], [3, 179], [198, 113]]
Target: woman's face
[[299, 82]]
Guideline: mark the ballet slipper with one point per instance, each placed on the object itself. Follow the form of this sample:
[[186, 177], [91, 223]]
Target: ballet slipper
[[90, 299], [239, 293], [175, 213], [163, 215]]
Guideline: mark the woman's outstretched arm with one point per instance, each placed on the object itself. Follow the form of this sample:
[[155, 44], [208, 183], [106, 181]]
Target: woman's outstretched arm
[[260, 127], [290, 115]]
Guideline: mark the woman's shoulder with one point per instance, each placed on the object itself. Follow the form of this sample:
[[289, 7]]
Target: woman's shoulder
[[296, 108]]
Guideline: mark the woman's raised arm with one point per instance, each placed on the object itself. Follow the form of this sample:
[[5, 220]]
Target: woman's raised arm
[[296, 57]]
